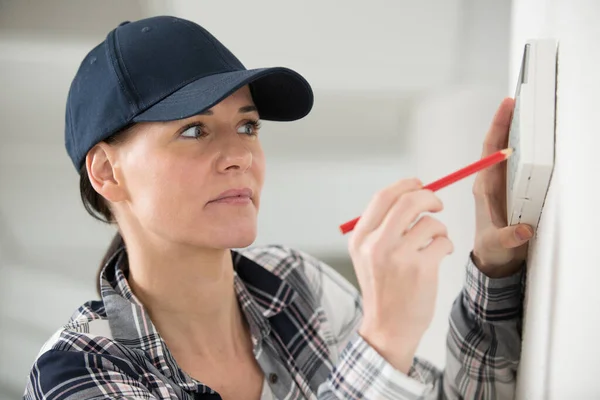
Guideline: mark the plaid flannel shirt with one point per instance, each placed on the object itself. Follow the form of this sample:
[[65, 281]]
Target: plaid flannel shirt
[[303, 319]]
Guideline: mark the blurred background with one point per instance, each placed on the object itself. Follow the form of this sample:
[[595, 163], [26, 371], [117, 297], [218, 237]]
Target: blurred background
[[403, 88]]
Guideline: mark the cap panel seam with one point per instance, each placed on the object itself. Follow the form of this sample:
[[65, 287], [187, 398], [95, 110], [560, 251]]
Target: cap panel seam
[[115, 66], [126, 73]]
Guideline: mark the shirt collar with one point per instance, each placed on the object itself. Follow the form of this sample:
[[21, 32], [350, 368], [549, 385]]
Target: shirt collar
[[261, 295]]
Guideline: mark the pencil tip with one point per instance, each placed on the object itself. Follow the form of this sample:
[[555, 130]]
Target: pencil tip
[[508, 152]]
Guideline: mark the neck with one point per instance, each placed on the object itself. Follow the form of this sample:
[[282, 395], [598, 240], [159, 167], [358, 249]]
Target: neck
[[187, 290]]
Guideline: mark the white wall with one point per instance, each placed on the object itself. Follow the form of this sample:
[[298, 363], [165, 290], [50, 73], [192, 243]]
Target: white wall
[[560, 348], [576, 320]]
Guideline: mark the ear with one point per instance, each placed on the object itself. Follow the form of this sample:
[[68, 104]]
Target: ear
[[104, 173]]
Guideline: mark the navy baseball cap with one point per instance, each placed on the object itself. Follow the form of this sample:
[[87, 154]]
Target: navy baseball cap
[[162, 69]]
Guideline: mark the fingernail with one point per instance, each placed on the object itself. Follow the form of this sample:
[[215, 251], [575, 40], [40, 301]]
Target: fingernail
[[524, 233]]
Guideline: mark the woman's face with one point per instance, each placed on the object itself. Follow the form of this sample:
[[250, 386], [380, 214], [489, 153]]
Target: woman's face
[[195, 181]]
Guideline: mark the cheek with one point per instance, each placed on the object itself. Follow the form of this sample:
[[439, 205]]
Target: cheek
[[259, 166], [259, 169], [166, 189]]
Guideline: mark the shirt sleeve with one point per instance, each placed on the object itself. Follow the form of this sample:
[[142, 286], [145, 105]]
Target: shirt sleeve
[[70, 375], [483, 344]]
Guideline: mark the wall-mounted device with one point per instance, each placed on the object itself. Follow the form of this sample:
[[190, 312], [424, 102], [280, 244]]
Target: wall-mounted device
[[532, 132]]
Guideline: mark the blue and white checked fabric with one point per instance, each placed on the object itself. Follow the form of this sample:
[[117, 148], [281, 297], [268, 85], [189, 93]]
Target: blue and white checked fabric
[[303, 319]]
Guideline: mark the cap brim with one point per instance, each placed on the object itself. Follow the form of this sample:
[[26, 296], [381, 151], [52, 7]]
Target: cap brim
[[279, 94]]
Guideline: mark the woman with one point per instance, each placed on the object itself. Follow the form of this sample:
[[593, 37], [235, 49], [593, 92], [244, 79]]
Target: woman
[[162, 123]]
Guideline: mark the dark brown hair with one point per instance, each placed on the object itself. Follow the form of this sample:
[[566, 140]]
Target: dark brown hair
[[98, 207]]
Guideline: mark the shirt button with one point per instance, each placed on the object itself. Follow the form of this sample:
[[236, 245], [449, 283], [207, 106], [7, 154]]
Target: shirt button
[[273, 378]]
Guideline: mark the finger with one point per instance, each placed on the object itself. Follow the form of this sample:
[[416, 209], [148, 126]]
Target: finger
[[381, 203], [497, 135], [515, 235], [439, 248], [423, 232], [406, 210]]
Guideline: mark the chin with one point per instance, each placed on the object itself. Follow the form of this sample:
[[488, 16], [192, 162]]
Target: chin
[[240, 244], [232, 242], [236, 237]]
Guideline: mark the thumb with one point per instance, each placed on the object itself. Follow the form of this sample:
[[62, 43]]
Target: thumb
[[515, 235]]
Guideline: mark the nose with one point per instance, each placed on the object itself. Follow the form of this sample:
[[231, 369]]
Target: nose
[[234, 157]]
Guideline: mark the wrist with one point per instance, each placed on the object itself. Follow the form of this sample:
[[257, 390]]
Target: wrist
[[398, 352], [495, 268]]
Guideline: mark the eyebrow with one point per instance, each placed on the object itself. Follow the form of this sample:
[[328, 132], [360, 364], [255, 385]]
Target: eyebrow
[[242, 110]]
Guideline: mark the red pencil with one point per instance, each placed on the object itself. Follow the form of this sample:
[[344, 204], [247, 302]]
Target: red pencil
[[477, 166]]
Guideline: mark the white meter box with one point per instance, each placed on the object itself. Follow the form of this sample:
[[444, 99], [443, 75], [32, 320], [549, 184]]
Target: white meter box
[[532, 133]]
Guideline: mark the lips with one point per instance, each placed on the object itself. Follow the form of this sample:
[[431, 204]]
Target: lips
[[245, 193]]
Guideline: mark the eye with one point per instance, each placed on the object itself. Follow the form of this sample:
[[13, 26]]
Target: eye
[[249, 128], [193, 131]]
